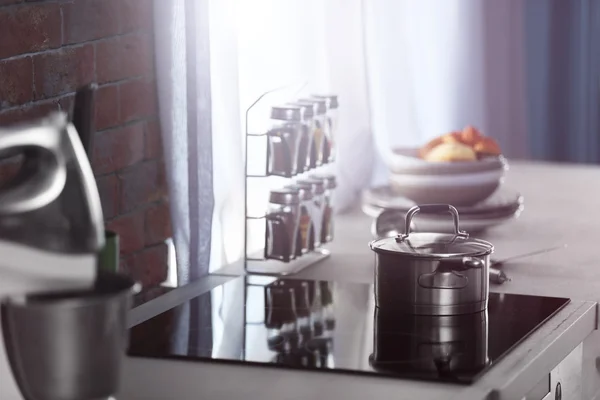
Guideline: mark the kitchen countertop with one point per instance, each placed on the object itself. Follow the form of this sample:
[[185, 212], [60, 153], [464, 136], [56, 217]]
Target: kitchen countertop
[[560, 208]]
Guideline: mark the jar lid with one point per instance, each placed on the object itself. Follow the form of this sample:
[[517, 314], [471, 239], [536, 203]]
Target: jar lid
[[321, 107], [317, 186], [433, 245], [332, 100], [307, 108], [286, 113], [304, 191], [328, 180], [284, 196]]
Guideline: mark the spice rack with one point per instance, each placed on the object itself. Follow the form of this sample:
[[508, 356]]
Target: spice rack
[[259, 182]]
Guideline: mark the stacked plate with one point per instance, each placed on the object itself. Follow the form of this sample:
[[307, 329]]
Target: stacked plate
[[475, 188], [502, 206]]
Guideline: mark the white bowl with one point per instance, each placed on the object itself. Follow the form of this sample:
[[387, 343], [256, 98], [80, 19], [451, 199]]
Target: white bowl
[[456, 189], [407, 161]]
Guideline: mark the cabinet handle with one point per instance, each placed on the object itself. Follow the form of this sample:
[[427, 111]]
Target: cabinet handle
[[558, 392]]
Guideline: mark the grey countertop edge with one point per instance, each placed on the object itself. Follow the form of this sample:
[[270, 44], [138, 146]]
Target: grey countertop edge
[[173, 298]]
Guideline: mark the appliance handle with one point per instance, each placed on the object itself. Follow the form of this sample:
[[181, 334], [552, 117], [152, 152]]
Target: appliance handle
[[43, 174]]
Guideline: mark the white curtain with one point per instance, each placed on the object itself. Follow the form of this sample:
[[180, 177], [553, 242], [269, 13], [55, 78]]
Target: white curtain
[[261, 45], [404, 71], [184, 96], [437, 66]]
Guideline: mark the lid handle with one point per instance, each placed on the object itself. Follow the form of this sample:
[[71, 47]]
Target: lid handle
[[431, 209]]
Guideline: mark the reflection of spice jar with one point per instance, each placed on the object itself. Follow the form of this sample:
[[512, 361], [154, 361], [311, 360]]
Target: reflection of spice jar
[[316, 209], [304, 322], [305, 235], [332, 121], [280, 315], [306, 138], [282, 225], [327, 229], [320, 133], [327, 302], [284, 140]]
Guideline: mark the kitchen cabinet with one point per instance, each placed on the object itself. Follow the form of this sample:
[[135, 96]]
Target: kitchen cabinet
[[564, 382]]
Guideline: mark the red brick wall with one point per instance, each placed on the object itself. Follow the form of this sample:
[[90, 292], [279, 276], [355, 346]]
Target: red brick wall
[[50, 48]]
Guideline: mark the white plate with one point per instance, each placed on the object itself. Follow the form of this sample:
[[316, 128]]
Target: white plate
[[502, 203], [503, 206], [443, 224]]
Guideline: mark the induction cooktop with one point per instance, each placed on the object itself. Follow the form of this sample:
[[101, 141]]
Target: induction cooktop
[[335, 327]]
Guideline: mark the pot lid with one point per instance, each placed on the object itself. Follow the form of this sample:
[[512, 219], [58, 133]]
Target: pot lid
[[432, 245]]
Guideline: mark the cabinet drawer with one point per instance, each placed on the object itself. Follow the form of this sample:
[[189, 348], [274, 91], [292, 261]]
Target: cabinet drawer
[[563, 382]]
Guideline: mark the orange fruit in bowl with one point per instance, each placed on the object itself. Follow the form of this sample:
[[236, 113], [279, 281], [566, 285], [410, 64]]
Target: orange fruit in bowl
[[429, 146], [452, 137], [470, 135], [487, 146], [451, 152]]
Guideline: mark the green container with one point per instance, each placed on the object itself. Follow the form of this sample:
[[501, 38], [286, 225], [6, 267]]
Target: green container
[[108, 259]]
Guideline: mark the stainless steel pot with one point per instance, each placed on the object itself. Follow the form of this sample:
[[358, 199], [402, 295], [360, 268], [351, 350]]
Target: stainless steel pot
[[432, 273]]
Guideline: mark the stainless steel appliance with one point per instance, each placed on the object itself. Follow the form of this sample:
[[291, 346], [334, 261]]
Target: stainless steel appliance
[[62, 324], [355, 337]]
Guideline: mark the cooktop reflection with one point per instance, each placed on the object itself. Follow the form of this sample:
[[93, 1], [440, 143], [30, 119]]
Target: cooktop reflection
[[333, 326]]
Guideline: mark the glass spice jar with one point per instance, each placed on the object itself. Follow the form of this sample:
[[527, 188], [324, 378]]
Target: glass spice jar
[[320, 154], [329, 182], [306, 139], [282, 225], [316, 209], [284, 140], [332, 121], [304, 237]]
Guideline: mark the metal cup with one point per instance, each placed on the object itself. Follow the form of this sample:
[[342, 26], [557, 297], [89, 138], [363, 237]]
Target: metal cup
[[69, 345]]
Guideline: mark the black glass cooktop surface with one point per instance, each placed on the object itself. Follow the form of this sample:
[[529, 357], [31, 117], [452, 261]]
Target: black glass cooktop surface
[[333, 326]]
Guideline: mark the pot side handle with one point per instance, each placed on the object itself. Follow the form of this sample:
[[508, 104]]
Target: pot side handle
[[448, 276], [469, 263]]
